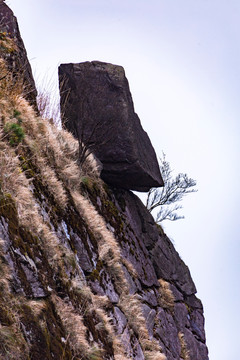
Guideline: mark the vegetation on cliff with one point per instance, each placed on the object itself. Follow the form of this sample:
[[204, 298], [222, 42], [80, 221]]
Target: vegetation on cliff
[[44, 294], [85, 273]]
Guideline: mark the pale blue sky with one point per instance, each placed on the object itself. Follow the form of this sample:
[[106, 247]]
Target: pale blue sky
[[182, 60]]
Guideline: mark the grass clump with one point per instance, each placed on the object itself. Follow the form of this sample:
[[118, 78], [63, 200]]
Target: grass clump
[[166, 297], [184, 350], [15, 133], [7, 44]]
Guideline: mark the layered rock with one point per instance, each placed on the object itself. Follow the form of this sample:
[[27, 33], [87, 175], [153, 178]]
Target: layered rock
[[97, 108], [12, 49], [85, 271]]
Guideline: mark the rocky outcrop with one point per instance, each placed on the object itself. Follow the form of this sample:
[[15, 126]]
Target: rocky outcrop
[[12, 49], [98, 109], [85, 272]]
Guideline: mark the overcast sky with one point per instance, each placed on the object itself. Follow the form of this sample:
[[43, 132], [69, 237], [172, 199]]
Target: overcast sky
[[182, 60]]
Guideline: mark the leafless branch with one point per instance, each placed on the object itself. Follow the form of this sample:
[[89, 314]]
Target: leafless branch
[[175, 188]]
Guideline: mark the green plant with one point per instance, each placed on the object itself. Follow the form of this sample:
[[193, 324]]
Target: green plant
[[175, 188], [16, 115], [14, 132], [85, 180]]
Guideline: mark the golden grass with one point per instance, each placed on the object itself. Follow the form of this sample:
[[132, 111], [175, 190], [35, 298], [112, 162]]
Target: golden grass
[[54, 153], [184, 350], [76, 331], [166, 297]]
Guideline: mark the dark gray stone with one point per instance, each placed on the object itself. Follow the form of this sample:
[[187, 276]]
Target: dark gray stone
[[108, 286], [197, 350], [83, 257], [133, 284], [149, 315], [197, 324], [149, 297], [181, 316], [97, 108], [119, 320], [166, 331], [178, 296], [131, 345], [16, 59], [154, 254]]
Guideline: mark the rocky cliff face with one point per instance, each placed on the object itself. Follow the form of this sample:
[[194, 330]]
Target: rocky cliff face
[[12, 49], [84, 271]]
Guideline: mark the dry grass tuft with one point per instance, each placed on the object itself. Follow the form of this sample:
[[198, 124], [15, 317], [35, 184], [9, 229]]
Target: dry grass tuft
[[54, 153], [154, 356], [48, 101], [108, 248], [184, 350], [37, 306], [76, 331], [12, 343], [166, 297]]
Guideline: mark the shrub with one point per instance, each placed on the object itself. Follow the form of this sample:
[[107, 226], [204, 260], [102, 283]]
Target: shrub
[[14, 132]]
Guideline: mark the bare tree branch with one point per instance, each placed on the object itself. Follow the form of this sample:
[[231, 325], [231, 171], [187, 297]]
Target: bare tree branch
[[175, 188]]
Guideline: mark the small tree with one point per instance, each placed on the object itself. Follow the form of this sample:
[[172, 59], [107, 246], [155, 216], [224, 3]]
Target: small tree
[[166, 198]]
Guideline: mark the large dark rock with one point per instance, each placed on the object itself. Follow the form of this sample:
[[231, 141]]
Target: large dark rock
[[14, 53], [97, 108]]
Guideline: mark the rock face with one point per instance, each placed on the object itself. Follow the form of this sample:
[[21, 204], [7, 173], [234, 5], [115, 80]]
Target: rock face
[[12, 49], [98, 109], [85, 272]]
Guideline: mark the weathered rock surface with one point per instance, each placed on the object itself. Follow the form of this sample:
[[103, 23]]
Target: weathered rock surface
[[85, 273], [141, 244], [97, 108], [12, 49]]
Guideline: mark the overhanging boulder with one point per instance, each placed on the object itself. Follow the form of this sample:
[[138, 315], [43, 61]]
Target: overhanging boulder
[[97, 107]]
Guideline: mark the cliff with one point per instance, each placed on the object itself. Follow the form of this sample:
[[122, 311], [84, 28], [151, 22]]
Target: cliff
[[12, 49], [85, 273]]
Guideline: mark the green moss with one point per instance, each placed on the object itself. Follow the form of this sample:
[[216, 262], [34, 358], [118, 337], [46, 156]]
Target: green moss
[[111, 208], [189, 309], [85, 180], [27, 167], [16, 113], [46, 332], [95, 274], [95, 354], [91, 186], [8, 211], [122, 203], [132, 251], [6, 318], [160, 229], [14, 132], [12, 344], [70, 259]]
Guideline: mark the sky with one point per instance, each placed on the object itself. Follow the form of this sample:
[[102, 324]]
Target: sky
[[182, 60]]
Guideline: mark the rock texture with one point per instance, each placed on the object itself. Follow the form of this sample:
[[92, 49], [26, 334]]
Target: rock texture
[[98, 109], [70, 268], [12, 49], [85, 273]]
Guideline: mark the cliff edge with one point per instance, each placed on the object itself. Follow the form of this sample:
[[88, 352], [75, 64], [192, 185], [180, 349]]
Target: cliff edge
[[85, 273]]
